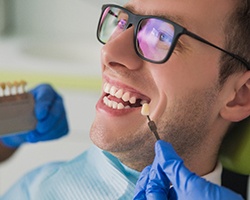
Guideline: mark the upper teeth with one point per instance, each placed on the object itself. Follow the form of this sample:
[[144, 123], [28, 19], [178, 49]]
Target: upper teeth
[[118, 93]]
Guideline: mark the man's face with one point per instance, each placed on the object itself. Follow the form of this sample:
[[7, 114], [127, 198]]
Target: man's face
[[183, 93]]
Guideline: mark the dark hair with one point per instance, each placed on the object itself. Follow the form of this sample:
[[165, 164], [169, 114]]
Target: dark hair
[[237, 34]]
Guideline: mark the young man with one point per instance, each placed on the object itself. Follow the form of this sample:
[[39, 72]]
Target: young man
[[187, 60]]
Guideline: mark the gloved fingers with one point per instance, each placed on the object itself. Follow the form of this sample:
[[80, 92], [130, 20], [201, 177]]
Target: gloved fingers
[[172, 165], [59, 130], [186, 184], [55, 126], [55, 114], [14, 141], [141, 184], [158, 183], [44, 96], [32, 136], [172, 194]]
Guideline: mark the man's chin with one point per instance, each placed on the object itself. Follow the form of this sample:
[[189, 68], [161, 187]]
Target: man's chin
[[101, 137]]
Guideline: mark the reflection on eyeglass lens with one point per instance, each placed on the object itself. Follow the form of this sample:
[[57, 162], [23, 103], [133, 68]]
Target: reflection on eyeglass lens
[[154, 38]]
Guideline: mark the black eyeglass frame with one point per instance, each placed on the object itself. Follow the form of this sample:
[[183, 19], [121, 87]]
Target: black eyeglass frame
[[134, 19]]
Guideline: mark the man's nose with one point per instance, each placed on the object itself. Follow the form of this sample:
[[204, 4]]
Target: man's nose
[[120, 50]]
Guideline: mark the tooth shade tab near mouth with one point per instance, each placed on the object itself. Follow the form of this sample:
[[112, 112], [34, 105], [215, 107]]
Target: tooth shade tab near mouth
[[151, 124], [145, 109]]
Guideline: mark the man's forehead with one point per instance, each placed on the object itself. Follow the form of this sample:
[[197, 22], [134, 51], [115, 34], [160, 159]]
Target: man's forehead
[[160, 13], [198, 16]]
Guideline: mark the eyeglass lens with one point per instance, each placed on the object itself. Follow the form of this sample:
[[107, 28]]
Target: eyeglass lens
[[154, 36]]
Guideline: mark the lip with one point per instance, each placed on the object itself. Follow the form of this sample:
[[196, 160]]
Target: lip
[[102, 107]]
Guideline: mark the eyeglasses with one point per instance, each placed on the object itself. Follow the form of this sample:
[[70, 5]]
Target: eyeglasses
[[154, 37]]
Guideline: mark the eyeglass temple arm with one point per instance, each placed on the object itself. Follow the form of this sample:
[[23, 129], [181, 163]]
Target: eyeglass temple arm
[[210, 44]]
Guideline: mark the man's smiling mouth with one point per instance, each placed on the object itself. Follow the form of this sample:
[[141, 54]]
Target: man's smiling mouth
[[119, 98]]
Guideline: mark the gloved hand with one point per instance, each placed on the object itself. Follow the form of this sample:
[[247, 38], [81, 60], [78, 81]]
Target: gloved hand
[[51, 118], [168, 167]]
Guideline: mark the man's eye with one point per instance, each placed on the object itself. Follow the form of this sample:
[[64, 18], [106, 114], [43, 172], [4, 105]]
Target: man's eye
[[162, 36], [165, 37]]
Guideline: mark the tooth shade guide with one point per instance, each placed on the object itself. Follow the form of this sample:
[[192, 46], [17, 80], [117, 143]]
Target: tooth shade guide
[[15, 88], [3, 86], [12, 97], [151, 124], [22, 86], [145, 109], [11, 91], [16, 109]]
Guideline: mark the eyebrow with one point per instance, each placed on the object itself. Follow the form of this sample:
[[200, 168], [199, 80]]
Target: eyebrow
[[177, 19]]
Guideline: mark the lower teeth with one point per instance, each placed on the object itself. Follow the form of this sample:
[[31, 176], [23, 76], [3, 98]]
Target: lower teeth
[[113, 104], [119, 106]]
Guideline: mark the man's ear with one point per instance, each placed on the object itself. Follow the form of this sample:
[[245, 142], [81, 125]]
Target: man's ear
[[238, 108]]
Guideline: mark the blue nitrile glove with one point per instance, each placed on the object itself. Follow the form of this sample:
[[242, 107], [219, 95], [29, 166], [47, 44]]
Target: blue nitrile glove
[[51, 118], [168, 167]]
